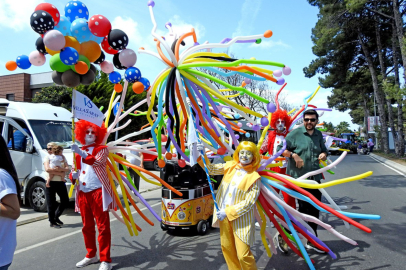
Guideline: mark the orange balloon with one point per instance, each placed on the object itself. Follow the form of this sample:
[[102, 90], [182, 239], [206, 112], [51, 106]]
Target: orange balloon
[[138, 87], [268, 34], [11, 65], [161, 163], [72, 42], [243, 84], [168, 156], [118, 88], [81, 67], [91, 50]]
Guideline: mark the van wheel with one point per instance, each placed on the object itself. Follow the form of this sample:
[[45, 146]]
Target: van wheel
[[156, 167], [202, 227], [163, 227], [36, 197]]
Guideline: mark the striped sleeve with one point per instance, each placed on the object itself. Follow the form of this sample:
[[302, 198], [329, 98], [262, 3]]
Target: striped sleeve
[[245, 204], [101, 157], [214, 169]]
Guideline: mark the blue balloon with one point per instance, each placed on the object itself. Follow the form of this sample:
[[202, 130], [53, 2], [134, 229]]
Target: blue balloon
[[145, 82], [115, 77], [80, 30], [76, 10], [115, 109], [132, 74], [23, 62], [63, 26], [69, 56], [247, 134], [236, 116], [97, 39]]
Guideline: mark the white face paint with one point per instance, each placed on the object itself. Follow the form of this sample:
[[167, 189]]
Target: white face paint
[[280, 125], [245, 156], [90, 136]]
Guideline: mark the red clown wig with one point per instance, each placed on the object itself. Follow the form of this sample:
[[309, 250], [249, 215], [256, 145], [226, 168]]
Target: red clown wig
[[82, 126], [280, 114]]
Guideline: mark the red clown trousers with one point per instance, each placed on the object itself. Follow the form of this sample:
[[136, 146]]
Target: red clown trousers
[[291, 201], [91, 209]]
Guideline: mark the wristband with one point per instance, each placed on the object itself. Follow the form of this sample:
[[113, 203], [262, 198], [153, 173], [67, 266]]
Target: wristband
[[291, 154]]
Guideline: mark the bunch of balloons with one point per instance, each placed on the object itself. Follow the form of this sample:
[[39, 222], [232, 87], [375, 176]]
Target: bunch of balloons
[[75, 41]]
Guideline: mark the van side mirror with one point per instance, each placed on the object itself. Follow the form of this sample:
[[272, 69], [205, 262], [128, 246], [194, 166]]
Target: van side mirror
[[29, 146]]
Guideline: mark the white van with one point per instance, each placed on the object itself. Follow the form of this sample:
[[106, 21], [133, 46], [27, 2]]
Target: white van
[[35, 125]]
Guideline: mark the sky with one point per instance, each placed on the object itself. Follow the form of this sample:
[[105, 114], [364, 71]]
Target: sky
[[290, 21]]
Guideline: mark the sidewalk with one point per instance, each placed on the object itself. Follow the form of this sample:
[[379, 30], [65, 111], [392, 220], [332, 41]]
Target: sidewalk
[[28, 215], [393, 164]]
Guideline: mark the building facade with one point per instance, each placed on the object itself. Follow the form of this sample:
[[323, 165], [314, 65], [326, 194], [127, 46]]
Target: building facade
[[23, 86]]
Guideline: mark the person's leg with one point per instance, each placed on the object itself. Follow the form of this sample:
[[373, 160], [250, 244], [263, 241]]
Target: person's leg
[[51, 201], [136, 179], [103, 226], [5, 267], [63, 196], [88, 230], [247, 260], [228, 245], [307, 208]]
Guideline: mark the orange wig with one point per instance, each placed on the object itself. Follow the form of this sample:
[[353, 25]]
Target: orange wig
[[82, 126]]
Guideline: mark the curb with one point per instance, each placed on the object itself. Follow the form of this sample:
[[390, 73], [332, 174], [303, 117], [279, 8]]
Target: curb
[[390, 163], [31, 220]]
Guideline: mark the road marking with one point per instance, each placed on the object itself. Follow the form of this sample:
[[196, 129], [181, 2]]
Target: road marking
[[399, 172], [67, 235]]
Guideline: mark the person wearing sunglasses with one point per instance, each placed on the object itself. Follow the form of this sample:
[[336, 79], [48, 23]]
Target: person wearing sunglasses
[[304, 148]]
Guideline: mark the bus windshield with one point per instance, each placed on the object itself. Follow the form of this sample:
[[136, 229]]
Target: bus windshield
[[47, 131]]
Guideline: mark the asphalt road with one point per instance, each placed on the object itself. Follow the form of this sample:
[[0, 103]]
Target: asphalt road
[[42, 247]]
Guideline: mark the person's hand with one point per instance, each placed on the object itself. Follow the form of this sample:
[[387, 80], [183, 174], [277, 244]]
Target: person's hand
[[142, 165], [48, 184], [75, 175], [298, 160], [75, 149], [323, 156], [221, 215], [200, 147]]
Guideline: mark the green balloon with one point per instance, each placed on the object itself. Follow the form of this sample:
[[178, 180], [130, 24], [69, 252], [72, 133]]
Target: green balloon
[[187, 152], [84, 59], [56, 64]]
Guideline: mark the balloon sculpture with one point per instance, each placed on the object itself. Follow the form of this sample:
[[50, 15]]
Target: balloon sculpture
[[189, 101]]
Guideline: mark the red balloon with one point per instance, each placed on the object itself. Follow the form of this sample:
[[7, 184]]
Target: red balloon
[[221, 151], [106, 47], [99, 25], [181, 163], [163, 138], [51, 9]]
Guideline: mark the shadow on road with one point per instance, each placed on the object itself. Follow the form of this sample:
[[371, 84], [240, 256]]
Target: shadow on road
[[383, 181]]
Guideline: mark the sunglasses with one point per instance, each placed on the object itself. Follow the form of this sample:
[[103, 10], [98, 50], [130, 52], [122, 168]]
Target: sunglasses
[[310, 119], [90, 132], [49, 149]]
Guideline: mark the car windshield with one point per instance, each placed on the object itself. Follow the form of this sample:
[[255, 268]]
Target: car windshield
[[47, 131]]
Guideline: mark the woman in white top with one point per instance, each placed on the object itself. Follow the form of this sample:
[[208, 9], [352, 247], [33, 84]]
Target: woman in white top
[[55, 185], [9, 206]]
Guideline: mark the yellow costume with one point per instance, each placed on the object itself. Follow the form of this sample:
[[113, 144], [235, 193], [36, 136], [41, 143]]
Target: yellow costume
[[238, 229]]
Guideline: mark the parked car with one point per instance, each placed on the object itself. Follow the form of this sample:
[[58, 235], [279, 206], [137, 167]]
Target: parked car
[[149, 159], [27, 128]]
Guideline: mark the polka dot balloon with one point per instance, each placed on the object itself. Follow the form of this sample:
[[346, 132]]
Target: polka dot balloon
[[76, 10], [106, 47], [64, 26], [51, 9], [99, 25], [69, 56], [117, 39], [80, 30], [145, 82], [132, 74], [39, 44], [23, 62], [41, 21], [114, 77]]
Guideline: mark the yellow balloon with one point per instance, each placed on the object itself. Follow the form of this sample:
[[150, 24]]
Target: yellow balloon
[[227, 158], [51, 52]]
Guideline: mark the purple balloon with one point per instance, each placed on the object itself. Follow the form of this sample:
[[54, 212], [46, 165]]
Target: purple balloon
[[280, 81], [237, 136], [286, 70], [277, 73], [247, 80], [168, 24], [151, 3], [264, 121], [256, 127], [271, 107]]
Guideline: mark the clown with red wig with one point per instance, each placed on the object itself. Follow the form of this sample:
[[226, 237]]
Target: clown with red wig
[[94, 194]]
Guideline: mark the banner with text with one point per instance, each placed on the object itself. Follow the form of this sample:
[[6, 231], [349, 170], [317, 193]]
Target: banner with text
[[373, 121], [83, 108]]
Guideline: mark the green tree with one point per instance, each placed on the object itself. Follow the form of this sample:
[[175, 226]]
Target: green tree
[[55, 95], [343, 127], [329, 127]]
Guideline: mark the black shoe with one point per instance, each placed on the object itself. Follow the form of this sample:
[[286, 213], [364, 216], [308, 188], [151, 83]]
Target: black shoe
[[311, 246], [58, 221], [54, 225]]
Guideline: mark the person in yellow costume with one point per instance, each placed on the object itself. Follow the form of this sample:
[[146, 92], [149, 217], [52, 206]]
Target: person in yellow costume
[[236, 197]]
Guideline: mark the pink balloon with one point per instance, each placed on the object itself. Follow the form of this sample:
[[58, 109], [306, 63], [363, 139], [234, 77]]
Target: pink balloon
[[54, 40], [239, 124], [127, 58], [277, 73], [36, 58], [286, 70], [107, 67]]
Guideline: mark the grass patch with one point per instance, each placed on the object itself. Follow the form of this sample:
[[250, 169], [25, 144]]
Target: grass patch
[[391, 156]]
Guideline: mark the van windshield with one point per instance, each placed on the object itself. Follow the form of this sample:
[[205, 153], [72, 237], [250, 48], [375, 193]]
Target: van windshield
[[47, 131]]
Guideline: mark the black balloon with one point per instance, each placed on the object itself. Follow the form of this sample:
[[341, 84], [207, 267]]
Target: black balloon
[[117, 63], [39, 44], [41, 21], [57, 77], [70, 78], [93, 68], [87, 78], [117, 39], [101, 58]]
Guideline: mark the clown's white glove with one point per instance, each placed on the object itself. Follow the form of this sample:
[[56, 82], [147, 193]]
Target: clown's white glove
[[75, 175], [200, 147], [75, 149], [221, 215]]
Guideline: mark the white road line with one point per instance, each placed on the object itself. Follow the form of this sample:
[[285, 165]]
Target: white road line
[[67, 235], [399, 172]]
